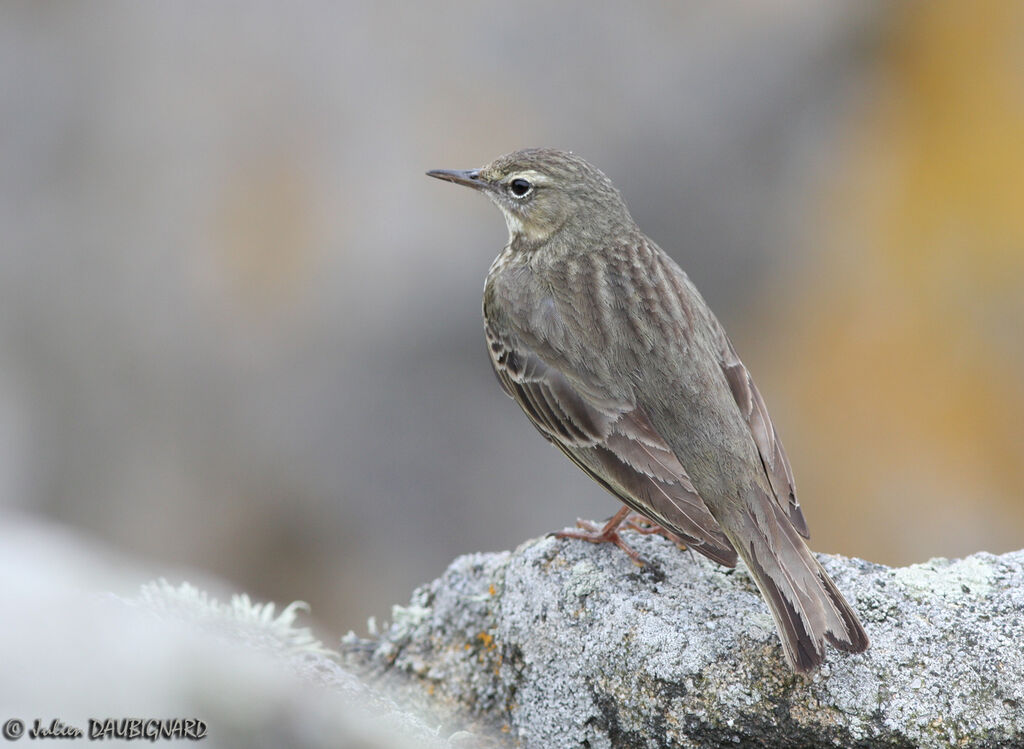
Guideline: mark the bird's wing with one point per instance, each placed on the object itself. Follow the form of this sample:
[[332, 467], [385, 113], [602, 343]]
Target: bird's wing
[[773, 456], [613, 441]]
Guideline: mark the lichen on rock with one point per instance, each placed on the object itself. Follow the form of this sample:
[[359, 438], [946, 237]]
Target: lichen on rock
[[562, 643]]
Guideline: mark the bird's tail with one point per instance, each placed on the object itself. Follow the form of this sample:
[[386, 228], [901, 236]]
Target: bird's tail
[[806, 604]]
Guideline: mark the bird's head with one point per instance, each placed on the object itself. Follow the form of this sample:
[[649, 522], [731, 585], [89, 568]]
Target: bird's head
[[542, 191]]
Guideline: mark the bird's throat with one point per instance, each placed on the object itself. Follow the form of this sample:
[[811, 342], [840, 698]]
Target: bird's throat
[[520, 233]]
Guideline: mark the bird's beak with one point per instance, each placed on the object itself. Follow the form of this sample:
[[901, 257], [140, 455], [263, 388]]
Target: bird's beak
[[468, 177]]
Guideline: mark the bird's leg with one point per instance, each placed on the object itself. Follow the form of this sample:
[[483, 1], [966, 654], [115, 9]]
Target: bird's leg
[[608, 533], [645, 525]]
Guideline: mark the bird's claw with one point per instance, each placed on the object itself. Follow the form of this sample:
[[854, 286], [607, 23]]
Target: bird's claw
[[608, 533]]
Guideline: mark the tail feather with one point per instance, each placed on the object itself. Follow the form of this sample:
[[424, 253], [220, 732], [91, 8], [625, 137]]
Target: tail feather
[[807, 606]]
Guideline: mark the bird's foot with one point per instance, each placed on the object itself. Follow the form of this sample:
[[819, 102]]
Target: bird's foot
[[648, 527], [606, 534]]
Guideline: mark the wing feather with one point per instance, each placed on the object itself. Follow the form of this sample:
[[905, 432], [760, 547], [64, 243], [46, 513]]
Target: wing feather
[[773, 456], [614, 442]]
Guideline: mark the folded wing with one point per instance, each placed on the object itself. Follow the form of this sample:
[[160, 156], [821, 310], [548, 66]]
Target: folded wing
[[613, 441], [773, 456]]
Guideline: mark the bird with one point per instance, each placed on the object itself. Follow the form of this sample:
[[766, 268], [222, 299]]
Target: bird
[[617, 360]]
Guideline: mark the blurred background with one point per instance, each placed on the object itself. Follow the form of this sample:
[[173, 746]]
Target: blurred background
[[240, 331]]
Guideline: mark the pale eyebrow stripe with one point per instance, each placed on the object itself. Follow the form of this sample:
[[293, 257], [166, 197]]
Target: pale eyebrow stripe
[[535, 177]]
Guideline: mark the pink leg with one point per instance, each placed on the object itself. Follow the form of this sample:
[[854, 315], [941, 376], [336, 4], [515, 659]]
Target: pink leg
[[608, 533], [645, 525]]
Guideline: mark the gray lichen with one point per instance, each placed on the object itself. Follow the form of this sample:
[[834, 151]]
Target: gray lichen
[[565, 644]]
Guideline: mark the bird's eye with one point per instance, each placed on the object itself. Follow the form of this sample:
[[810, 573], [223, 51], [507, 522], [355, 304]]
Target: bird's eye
[[519, 187]]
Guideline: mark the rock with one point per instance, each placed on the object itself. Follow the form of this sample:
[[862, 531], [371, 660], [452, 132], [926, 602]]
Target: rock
[[566, 644], [84, 646]]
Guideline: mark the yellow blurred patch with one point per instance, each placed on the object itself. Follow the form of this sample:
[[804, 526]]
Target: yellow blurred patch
[[907, 380]]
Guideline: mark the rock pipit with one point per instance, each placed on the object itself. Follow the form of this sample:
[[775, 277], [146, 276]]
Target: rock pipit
[[617, 360]]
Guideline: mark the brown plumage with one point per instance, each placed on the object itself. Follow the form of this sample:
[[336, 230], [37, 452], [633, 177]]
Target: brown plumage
[[618, 361]]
